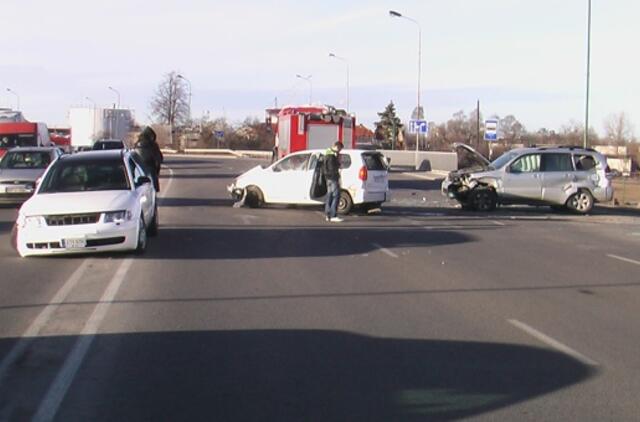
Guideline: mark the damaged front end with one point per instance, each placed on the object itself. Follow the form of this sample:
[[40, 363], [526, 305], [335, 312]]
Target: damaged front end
[[458, 185]]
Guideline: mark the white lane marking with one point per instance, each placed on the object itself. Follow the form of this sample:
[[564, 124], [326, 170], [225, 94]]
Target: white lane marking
[[248, 220], [57, 391], [552, 342], [498, 223], [449, 227], [622, 258], [385, 250], [432, 177], [166, 188], [42, 319]]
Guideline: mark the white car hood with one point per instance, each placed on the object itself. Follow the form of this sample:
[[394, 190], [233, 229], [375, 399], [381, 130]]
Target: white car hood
[[77, 202], [250, 176]]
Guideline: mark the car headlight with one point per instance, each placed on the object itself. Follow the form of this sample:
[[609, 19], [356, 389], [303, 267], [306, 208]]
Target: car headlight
[[31, 222], [117, 216]]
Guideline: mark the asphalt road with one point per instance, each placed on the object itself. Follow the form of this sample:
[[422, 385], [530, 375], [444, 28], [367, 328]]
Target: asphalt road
[[421, 312]]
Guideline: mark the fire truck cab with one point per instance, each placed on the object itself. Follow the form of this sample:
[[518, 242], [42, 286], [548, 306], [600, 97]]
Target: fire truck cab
[[311, 127], [15, 131]]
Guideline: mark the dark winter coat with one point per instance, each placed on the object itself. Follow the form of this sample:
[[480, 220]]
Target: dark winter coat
[[331, 165], [149, 151]]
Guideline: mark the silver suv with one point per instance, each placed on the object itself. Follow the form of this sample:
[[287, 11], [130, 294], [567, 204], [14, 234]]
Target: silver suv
[[570, 177]]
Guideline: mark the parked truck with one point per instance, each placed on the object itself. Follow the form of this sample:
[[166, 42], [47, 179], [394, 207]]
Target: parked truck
[[16, 131]]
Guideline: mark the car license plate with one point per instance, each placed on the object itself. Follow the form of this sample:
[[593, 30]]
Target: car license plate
[[74, 243], [17, 189]]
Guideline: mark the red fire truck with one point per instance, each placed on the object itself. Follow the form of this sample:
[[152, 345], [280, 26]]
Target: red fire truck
[[15, 131], [311, 127]]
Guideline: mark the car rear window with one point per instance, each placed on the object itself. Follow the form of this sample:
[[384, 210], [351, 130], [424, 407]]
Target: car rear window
[[77, 176], [375, 162], [26, 160]]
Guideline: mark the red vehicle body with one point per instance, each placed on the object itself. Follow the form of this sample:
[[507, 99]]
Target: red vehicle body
[[22, 134], [61, 137], [312, 127]]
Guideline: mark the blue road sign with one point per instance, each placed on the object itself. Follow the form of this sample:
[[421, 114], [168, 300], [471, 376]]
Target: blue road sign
[[219, 134], [418, 126]]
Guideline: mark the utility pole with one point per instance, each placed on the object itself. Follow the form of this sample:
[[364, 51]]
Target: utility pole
[[478, 126], [586, 117]]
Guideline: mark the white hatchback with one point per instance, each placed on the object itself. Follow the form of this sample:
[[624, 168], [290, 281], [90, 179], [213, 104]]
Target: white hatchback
[[89, 202], [297, 179]]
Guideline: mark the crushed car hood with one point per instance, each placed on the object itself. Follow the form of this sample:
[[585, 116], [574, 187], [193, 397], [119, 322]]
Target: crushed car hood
[[472, 160]]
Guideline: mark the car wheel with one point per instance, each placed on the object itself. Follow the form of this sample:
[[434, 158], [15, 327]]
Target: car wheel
[[141, 245], [152, 230], [254, 197], [484, 199], [580, 202], [345, 203]]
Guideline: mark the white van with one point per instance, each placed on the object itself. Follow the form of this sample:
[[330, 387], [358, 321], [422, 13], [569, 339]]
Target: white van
[[297, 179]]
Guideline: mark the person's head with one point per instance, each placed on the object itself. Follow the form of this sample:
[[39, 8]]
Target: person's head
[[337, 146]]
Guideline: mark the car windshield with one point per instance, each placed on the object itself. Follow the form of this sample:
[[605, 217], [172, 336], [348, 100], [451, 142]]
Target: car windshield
[[25, 160], [77, 176], [503, 159]]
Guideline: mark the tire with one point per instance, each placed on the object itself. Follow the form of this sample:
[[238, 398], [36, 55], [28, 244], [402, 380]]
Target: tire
[[255, 198], [152, 230], [580, 202], [141, 244], [484, 199], [345, 203]]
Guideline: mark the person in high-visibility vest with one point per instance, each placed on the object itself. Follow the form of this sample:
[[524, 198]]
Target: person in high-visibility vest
[[331, 169]]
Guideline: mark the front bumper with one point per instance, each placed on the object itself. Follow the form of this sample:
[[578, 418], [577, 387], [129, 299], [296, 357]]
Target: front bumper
[[98, 237]]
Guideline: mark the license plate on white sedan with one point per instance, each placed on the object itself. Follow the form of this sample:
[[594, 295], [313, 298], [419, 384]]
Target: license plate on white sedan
[[74, 243]]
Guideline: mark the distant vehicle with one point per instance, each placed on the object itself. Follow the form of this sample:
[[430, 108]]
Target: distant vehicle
[[295, 180], [20, 168], [91, 202], [23, 134], [104, 144], [563, 177]]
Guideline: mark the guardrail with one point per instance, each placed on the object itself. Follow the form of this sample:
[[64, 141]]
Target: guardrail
[[425, 160]]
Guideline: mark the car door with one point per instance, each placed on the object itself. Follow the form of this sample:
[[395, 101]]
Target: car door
[[557, 174], [522, 181], [145, 192], [289, 180]]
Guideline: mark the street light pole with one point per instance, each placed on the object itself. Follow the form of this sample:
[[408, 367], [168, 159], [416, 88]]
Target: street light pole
[[189, 82], [117, 93], [347, 62], [586, 117], [17, 97], [395, 14], [308, 79]]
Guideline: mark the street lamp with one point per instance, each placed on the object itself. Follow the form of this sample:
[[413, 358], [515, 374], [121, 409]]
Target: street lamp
[[91, 101], [17, 96], [395, 14], [117, 93], [586, 116], [308, 79], [189, 82], [347, 62]]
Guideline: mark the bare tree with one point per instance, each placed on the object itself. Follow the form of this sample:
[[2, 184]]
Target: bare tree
[[170, 103], [618, 129]]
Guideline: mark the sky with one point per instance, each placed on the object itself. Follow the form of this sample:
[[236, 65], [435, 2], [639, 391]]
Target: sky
[[521, 57]]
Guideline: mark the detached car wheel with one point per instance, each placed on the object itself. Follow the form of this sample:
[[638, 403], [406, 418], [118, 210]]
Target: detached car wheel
[[345, 203], [580, 202], [254, 198], [484, 199]]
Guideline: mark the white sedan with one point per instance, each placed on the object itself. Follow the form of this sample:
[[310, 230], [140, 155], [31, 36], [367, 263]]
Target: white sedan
[[297, 179], [89, 202]]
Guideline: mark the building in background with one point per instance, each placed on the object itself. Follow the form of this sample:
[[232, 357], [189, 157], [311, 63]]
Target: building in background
[[89, 124]]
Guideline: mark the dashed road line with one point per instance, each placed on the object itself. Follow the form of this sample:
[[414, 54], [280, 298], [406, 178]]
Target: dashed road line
[[622, 258], [42, 320], [57, 391], [555, 344], [385, 250], [498, 223], [166, 189]]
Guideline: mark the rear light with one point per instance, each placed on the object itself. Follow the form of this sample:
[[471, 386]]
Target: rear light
[[363, 174]]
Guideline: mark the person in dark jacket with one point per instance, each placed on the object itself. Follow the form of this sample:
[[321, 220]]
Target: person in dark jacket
[[332, 175], [149, 152]]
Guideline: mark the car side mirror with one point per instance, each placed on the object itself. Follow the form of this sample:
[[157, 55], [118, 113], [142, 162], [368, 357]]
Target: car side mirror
[[142, 180]]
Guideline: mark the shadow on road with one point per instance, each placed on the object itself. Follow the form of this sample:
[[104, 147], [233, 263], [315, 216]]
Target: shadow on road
[[300, 375], [251, 242], [195, 202]]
